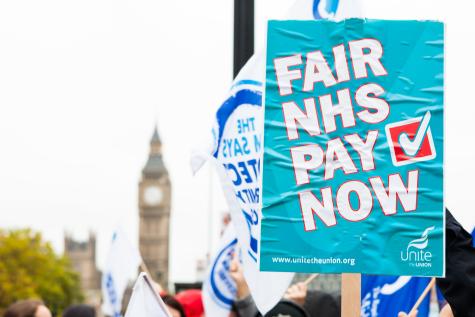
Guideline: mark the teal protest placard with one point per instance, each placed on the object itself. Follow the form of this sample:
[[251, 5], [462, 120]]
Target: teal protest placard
[[353, 148]]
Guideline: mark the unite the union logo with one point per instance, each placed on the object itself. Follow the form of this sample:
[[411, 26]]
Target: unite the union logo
[[222, 286], [416, 253]]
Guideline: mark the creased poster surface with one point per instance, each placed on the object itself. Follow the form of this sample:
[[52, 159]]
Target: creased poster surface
[[353, 147]]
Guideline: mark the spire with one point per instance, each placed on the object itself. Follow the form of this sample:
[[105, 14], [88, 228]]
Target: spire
[[154, 167], [155, 136]]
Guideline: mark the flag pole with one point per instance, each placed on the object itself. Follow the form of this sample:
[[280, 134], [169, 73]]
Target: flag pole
[[149, 283], [210, 214], [423, 295], [310, 279], [243, 33], [144, 268]]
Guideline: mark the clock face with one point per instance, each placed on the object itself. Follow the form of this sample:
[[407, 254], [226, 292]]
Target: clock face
[[153, 195]]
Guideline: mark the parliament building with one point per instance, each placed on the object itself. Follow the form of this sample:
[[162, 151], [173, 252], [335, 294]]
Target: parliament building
[[154, 205]]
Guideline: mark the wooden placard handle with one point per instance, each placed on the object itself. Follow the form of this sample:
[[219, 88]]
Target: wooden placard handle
[[422, 296], [350, 294]]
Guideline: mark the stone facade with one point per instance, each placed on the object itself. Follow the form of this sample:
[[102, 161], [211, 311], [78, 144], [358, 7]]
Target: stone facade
[[82, 255]]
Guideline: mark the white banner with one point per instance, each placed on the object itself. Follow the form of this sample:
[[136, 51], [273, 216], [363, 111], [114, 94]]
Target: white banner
[[219, 289], [145, 302], [237, 148], [122, 261]]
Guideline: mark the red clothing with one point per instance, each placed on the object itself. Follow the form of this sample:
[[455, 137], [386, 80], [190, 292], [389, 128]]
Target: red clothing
[[192, 302]]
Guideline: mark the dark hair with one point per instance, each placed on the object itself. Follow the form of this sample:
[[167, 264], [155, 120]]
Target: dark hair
[[79, 311], [23, 308], [173, 303], [287, 308]]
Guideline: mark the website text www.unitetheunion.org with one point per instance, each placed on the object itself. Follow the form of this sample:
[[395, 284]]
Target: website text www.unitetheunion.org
[[313, 260]]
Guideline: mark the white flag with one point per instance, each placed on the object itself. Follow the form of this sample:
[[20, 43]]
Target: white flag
[[237, 149], [219, 289], [145, 302], [122, 261]]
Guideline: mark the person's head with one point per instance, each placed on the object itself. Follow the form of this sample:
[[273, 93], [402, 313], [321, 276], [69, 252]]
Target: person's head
[[27, 308], [79, 311], [191, 302], [287, 308], [174, 307]]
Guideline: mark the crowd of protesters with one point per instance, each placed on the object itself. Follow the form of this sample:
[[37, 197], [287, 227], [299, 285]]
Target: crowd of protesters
[[458, 288]]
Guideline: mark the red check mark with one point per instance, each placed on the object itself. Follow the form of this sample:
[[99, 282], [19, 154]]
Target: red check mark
[[410, 140], [412, 147]]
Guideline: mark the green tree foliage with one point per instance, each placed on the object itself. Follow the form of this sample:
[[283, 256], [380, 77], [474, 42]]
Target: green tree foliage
[[29, 268]]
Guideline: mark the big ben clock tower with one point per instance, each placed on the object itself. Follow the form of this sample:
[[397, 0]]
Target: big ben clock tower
[[154, 209]]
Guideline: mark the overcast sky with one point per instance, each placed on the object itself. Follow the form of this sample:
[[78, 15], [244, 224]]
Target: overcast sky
[[82, 84]]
